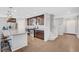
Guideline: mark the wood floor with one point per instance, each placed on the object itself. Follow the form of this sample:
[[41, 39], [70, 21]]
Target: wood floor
[[64, 43]]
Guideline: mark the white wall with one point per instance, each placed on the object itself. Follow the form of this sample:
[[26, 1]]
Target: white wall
[[2, 22], [46, 26], [50, 30], [78, 25], [21, 25], [71, 24]]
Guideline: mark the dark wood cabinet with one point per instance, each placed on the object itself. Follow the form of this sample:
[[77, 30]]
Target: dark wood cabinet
[[29, 21], [34, 22], [37, 20], [40, 19], [13, 20], [39, 34]]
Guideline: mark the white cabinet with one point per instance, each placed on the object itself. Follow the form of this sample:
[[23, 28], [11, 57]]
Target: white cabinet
[[19, 41]]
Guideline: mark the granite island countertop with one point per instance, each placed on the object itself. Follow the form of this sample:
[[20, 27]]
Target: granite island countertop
[[16, 32], [13, 32]]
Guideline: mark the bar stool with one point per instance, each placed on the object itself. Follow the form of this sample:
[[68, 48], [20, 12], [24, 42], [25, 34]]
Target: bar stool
[[5, 45]]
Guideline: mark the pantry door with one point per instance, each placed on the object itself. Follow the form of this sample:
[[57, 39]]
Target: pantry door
[[70, 26]]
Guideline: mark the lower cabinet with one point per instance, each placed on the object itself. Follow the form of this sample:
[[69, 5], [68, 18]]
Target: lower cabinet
[[19, 41], [39, 34]]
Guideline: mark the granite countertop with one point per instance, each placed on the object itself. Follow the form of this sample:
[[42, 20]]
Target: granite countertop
[[16, 32], [40, 29], [13, 32]]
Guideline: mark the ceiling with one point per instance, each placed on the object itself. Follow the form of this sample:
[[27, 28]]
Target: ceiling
[[31, 11]]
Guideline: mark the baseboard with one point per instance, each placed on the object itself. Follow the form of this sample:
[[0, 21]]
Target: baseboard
[[70, 34], [74, 34], [53, 37]]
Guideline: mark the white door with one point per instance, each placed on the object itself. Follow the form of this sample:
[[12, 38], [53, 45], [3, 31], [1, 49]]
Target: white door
[[70, 26], [59, 26]]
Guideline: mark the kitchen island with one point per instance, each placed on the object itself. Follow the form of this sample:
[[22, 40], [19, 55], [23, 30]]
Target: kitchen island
[[18, 39]]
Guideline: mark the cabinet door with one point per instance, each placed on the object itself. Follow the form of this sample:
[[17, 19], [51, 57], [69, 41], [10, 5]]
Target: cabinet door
[[40, 20], [27, 21], [31, 21], [39, 34], [18, 42]]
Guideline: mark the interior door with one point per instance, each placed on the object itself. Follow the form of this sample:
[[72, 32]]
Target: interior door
[[70, 25], [59, 26]]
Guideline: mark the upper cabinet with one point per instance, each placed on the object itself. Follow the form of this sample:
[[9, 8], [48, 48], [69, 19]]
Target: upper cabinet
[[36, 20], [40, 20], [31, 21]]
